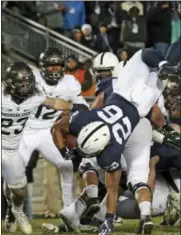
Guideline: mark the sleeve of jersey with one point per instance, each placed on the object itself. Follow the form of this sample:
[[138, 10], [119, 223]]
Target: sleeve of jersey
[[78, 101], [113, 163], [40, 97]]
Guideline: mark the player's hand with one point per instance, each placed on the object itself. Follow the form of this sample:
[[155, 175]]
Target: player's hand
[[106, 228], [167, 71], [172, 137]]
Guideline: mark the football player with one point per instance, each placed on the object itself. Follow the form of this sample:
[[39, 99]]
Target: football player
[[110, 165], [20, 96], [136, 150], [37, 133]]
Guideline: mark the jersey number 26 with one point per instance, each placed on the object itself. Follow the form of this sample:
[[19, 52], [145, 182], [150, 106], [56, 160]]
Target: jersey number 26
[[111, 115]]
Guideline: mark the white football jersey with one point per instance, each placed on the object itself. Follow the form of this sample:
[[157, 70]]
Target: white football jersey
[[14, 118], [68, 88]]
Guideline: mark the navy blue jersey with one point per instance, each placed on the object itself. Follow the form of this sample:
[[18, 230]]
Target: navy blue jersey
[[120, 116], [169, 156]]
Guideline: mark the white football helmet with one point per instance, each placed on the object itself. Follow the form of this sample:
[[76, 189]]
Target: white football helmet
[[93, 138], [105, 61]]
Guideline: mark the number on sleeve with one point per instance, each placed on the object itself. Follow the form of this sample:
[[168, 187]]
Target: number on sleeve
[[112, 114]]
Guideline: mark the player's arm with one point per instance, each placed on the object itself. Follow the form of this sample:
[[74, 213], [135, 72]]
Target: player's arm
[[99, 102], [57, 103], [59, 131], [79, 103], [156, 117], [73, 92]]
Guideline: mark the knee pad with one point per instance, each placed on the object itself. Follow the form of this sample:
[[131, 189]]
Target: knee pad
[[21, 184], [85, 168], [135, 188]]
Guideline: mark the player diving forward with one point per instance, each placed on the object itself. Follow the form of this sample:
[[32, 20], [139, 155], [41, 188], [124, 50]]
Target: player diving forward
[[20, 96], [103, 132]]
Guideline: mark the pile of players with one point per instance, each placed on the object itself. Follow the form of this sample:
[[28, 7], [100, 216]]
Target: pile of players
[[112, 140]]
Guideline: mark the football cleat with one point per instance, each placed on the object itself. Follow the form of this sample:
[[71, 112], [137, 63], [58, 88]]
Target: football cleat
[[146, 225], [70, 219], [10, 221], [22, 220]]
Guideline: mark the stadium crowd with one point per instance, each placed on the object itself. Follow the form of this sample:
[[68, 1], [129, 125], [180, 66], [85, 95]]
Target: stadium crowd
[[108, 25], [120, 32], [119, 27]]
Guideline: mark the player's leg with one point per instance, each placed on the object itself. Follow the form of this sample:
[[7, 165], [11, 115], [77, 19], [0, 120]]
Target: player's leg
[[10, 220], [88, 200], [89, 175], [137, 155], [47, 147], [28, 145], [127, 206], [138, 85], [132, 78], [153, 88], [154, 57], [13, 171]]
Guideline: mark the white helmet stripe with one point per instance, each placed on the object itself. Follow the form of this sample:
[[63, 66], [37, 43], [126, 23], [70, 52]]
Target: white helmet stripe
[[91, 133]]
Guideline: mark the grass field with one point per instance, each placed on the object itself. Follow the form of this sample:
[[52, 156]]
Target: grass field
[[128, 228]]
